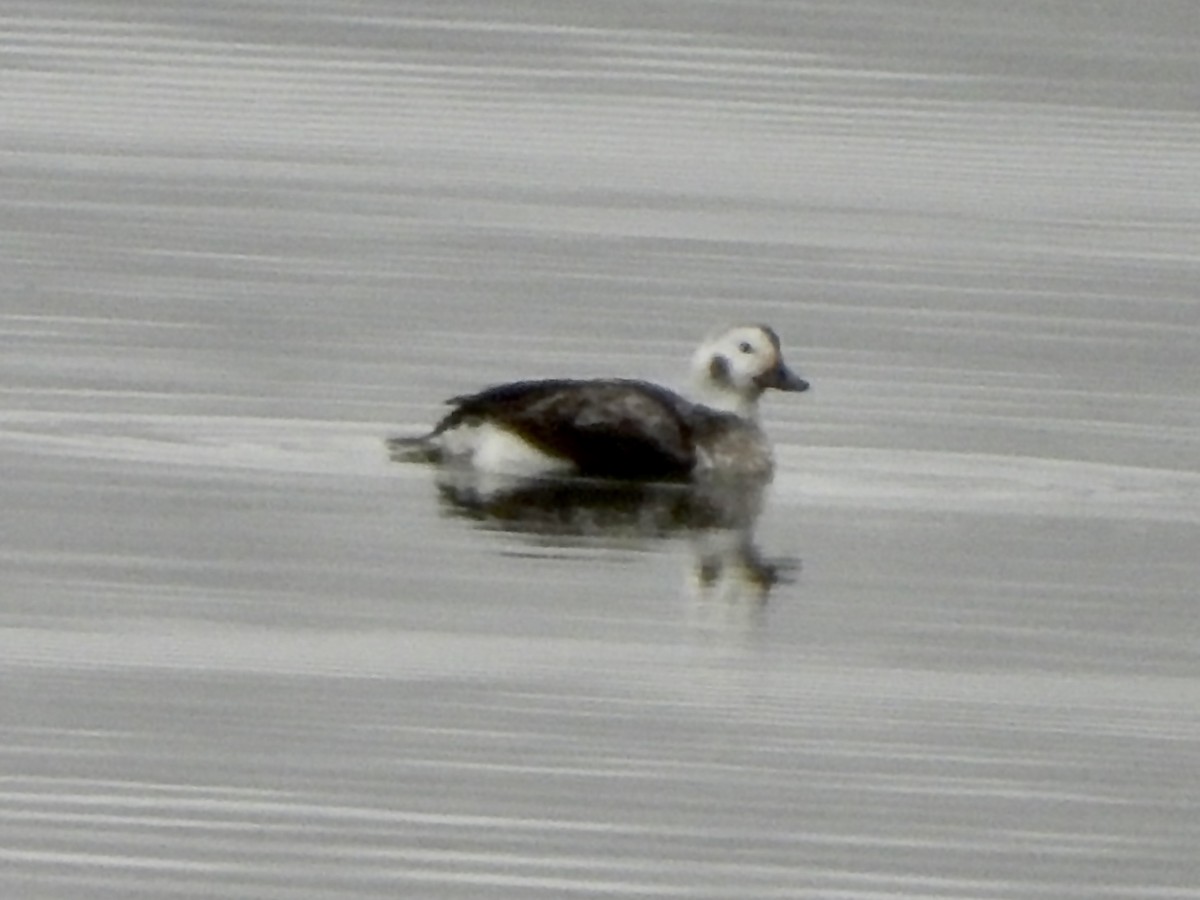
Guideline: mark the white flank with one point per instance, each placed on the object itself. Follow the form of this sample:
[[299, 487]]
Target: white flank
[[492, 448]]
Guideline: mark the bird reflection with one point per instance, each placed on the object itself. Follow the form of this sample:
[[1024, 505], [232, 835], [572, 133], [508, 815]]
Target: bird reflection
[[728, 574]]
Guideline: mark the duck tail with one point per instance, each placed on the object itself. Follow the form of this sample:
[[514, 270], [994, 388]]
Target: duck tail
[[413, 449]]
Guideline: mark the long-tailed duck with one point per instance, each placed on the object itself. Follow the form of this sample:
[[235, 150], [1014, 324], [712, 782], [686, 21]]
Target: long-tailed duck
[[621, 428]]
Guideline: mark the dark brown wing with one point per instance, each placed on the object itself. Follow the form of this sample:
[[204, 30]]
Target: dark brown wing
[[608, 429]]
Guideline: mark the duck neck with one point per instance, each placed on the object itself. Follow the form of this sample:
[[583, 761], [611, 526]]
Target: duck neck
[[731, 402]]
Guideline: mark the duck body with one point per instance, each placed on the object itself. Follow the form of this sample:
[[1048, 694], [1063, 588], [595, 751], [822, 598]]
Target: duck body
[[619, 428], [611, 428]]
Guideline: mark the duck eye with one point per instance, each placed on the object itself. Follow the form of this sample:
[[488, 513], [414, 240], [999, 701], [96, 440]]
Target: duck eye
[[745, 347]]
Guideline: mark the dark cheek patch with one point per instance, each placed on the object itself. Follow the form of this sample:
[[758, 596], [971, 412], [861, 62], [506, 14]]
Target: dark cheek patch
[[718, 370]]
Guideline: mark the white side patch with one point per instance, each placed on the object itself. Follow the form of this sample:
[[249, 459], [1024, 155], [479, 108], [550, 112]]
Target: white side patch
[[491, 448]]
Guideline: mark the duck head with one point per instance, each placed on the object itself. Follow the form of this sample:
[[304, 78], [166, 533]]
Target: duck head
[[733, 367]]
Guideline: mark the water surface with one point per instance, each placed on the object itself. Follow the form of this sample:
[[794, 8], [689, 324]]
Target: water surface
[[954, 654]]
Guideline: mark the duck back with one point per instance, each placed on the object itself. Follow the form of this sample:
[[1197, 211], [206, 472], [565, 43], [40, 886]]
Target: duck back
[[604, 428]]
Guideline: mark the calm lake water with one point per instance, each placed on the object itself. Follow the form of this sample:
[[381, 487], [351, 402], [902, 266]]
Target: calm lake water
[[953, 650]]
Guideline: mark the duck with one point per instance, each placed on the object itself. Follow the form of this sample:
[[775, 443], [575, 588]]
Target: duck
[[620, 428]]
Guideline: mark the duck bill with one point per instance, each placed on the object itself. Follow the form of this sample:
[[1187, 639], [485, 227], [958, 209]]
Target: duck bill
[[781, 378]]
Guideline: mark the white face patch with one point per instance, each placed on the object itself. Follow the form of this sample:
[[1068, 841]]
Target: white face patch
[[750, 354], [740, 355]]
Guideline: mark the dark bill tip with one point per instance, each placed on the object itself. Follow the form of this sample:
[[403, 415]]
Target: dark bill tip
[[783, 379]]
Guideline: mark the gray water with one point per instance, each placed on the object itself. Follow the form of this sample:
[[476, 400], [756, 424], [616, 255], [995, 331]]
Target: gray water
[[243, 654]]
